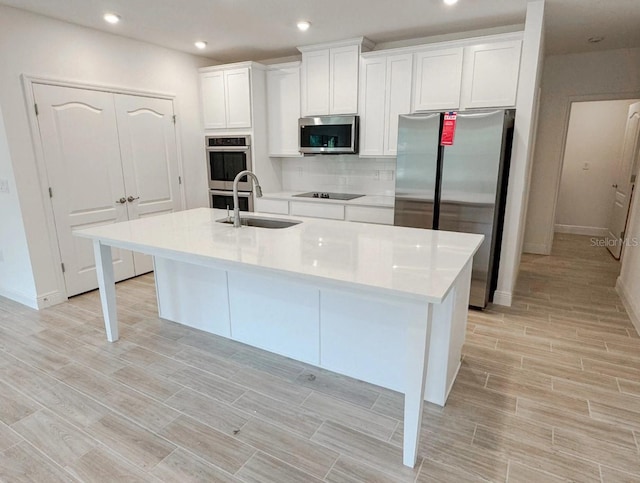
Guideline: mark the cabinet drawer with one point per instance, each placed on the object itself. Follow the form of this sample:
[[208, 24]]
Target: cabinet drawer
[[317, 210], [280, 207], [369, 214]]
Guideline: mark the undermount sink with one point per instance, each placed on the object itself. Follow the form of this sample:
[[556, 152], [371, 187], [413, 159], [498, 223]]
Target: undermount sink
[[261, 222]]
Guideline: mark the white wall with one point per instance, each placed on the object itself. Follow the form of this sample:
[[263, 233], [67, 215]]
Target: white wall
[[340, 174], [594, 146], [16, 278], [39, 46], [613, 74]]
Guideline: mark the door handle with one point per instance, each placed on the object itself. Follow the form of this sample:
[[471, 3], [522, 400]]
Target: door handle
[[131, 199], [121, 201]]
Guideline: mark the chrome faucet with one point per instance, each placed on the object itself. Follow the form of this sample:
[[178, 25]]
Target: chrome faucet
[[236, 207]]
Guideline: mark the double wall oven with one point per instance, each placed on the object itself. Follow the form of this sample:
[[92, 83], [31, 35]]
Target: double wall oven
[[226, 157]]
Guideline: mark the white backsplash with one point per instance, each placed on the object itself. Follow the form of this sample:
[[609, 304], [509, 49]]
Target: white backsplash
[[340, 174]]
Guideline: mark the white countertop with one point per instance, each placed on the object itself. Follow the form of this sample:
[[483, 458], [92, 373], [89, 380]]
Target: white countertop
[[379, 201], [410, 262]]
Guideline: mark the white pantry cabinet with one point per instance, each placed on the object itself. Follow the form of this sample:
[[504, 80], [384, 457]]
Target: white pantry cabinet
[[329, 77], [385, 93], [283, 109], [490, 74], [438, 77], [226, 97]]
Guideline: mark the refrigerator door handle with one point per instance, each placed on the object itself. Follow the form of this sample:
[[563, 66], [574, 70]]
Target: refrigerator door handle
[[479, 115]]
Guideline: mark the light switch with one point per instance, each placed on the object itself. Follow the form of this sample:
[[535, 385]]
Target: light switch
[[4, 186]]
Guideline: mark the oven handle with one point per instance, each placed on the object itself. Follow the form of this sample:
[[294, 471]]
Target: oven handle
[[227, 148], [241, 194]]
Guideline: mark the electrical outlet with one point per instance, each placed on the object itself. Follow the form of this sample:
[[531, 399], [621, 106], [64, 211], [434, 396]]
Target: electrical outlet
[[4, 186]]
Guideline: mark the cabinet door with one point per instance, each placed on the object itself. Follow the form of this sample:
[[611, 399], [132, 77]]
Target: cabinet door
[[398, 89], [238, 93], [213, 100], [437, 79], [283, 106], [343, 83], [82, 156], [150, 168], [315, 83], [373, 100], [491, 74]]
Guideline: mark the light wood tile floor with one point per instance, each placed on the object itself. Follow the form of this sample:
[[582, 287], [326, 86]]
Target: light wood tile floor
[[549, 390]]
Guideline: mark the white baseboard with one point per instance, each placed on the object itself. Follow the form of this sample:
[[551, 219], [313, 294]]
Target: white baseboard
[[581, 230], [502, 298], [630, 303], [19, 297], [50, 299], [536, 248]]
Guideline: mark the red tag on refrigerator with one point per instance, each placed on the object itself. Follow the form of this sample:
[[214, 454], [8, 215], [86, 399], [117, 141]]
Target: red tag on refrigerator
[[448, 128]]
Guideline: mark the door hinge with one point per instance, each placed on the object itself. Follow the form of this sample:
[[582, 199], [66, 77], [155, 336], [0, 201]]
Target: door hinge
[[633, 178], [35, 106], [174, 118], [179, 179], [63, 269], [50, 192]]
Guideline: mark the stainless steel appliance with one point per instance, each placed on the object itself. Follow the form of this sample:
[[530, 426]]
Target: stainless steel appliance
[[329, 196], [329, 134], [226, 157], [224, 199], [460, 187]]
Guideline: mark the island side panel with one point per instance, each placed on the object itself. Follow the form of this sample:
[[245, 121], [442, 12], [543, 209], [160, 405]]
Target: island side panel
[[193, 295], [365, 336], [276, 314]]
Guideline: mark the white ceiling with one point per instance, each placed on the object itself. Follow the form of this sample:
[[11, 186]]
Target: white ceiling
[[260, 29]]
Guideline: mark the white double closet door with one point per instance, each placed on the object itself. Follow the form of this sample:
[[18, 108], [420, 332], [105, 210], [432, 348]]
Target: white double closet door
[[109, 158]]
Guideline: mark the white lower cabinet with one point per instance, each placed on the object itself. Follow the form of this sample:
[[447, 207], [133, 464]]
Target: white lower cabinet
[[317, 210], [369, 214], [279, 207]]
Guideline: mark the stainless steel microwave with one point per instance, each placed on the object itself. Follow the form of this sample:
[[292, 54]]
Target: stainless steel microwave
[[329, 134]]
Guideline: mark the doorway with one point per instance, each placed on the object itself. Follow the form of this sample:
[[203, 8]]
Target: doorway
[[109, 157], [594, 149]]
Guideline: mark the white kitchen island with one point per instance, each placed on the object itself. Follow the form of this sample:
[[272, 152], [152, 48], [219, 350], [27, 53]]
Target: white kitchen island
[[387, 305]]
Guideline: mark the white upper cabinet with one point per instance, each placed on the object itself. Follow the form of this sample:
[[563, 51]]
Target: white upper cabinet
[[226, 98], [343, 79], [283, 109], [315, 82], [438, 77], [330, 77], [213, 100], [490, 74], [385, 93]]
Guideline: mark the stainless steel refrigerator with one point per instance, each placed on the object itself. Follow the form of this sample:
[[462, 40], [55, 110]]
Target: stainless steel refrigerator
[[461, 187]]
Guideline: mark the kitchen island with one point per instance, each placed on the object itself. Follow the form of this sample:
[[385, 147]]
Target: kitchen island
[[387, 305]]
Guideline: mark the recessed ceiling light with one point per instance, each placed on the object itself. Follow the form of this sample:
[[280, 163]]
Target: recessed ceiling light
[[595, 40], [304, 25], [111, 18], [450, 2], [201, 44]]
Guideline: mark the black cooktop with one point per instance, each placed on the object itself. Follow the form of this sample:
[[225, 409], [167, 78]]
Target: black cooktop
[[329, 196]]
